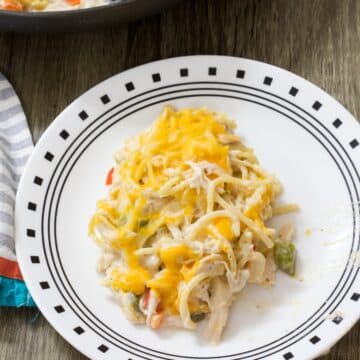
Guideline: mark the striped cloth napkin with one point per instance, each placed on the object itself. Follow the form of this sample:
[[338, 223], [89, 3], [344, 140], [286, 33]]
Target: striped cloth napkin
[[15, 148]]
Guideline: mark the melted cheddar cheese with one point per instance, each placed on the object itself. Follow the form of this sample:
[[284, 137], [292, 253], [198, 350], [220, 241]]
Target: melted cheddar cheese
[[174, 140], [165, 285]]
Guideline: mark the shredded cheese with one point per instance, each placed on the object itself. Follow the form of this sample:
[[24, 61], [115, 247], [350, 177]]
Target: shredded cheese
[[188, 203]]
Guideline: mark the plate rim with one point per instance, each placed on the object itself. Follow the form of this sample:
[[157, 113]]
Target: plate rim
[[187, 59]]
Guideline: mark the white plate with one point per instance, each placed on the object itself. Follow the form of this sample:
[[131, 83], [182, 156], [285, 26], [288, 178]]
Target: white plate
[[298, 132]]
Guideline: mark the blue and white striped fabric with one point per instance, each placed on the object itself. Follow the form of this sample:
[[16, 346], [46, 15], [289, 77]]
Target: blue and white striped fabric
[[15, 148]]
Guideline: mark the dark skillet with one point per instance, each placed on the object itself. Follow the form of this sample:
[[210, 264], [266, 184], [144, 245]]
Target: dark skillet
[[73, 20]]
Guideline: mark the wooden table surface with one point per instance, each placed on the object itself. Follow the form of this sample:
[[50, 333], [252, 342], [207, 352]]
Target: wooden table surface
[[316, 39]]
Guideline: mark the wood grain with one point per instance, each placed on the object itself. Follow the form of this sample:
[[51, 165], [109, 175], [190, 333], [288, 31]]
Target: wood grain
[[316, 39]]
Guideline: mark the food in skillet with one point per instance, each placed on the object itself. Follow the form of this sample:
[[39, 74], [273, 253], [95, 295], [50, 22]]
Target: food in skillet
[[49, 5]]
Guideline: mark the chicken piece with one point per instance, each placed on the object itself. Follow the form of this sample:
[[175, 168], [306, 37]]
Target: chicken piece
[[286, 233], [256, 267], [269, 272], [104, 262], [220, 301]]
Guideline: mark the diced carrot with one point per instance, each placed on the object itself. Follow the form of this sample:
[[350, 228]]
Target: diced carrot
[[157, 320], [146, 298], [73, 2], [109, 177], [159, 307], [13, 5]]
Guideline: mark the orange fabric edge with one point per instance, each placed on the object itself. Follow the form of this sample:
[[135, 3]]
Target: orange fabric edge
[[10, 269]]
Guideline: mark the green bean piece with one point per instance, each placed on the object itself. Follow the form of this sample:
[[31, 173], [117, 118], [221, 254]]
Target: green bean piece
[[196, 317], [143, 222], [285, 256]]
